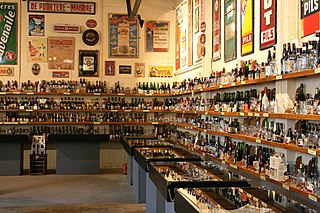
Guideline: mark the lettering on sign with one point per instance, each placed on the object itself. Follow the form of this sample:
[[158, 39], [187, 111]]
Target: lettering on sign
[[62, 7], [268, 35]]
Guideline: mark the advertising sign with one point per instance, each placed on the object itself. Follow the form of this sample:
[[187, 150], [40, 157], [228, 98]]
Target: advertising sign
[[62, 7], [216, 23], [268, 26], [230, 32], [157, 36], [160, 71], [247, 30], [310, 16]]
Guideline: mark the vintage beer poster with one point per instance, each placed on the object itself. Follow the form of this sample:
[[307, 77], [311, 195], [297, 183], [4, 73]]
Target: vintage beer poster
[[160, 71], [61, 53], [74, 7], [37, 50], [181, 36], [190, 32], [36, 25], [110, 68], [216, 23], [157, 36], [124, 69], [268, 24], [310, 17], [230, 32], [247, 27], [139, 70]]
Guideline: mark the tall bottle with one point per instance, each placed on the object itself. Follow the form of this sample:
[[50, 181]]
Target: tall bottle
[[284, 58], [313, 56], [289, 60], [268, 69], [265, 101]]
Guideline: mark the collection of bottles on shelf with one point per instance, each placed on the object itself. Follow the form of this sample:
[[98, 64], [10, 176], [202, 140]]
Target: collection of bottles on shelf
[[259, 159], [159, 153]]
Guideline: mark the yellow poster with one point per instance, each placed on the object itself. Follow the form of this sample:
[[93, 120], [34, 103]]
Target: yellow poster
[[37, 50], [160, 71], [246, 27]]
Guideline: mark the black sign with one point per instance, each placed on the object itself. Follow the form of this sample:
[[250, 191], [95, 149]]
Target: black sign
[[124, 69], [309, 7], [90, 37]]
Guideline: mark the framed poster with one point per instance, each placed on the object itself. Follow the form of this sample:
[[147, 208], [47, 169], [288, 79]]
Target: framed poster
[[182, 36], [268, 24], [247, 27], [110, 68], [36, 25], [216, 23], [310, 17], [139, 70], [61, 53], [230, 30], [123, 37], [124, 69], [190, 32], [8, 30], [157, 36], [196, 20], [88, 63], [160, 71], [37, 49]]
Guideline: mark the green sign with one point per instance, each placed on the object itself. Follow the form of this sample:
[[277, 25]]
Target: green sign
[[8, 33], [230, 32]]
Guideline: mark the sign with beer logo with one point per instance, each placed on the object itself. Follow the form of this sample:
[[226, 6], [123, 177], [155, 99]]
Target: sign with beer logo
[[160, 71], [268, 26], [230, 32], [8, 33], [216, 23], [310, 17], [6, 71], [247, 14]]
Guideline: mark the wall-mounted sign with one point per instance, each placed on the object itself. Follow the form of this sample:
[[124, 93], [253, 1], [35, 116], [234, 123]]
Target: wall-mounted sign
[[230, 30], [37, 49], [36, 25], [160, 71], [61, 53], [36, 69], [66, 28], [124, 69], [6, 71], [268, 24], [8, 32], [90, 37], [60, 74], [139, 70], [89, 63], [91, 23], [247, 27], [110, 67], [310, 16], [157, 36], [216, 37], [78, 7]]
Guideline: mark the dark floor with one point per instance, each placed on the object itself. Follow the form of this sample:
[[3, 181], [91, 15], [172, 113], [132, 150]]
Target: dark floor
[[68, 193]]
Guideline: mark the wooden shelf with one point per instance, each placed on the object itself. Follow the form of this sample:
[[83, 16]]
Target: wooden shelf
[[84, 123], [86, 110]]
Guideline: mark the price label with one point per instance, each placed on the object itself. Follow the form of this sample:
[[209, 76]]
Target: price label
[[279, 77], [233, 166], [286, 186], [221, 86], [29, 110], [30, 93], [265, 115], [121, 94], [258, 140], [255, 199], [97, 94], [317, 70], [264, 204], [222, 113], [262, 177], [206, 113], [3, 93], [205, 130], [312, 152], [14, 123], [16, 93], [113, 110], [257, 114], [96, 122], [240, 190], [23, 122], [233, 84], [127, 110], [223, 162], [243, 82], [241, 113], [313, 198], [201, 90], [148, 94], [250, 114], [145, 110], [249, 195], [6, 122], [154, 123], [66, 93]]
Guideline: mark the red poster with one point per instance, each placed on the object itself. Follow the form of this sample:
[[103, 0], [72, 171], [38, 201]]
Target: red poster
[[310, 16], [216, 23], [190, 33], [268, 27]]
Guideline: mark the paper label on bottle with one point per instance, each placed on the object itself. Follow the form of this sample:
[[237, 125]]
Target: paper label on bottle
[[264, 204], [250, 114], [240, 190], [233, 166], [258, 140], [262, 177], [145, 110], [30, 93], [312, 152], [121, 94], [155, 123], [313, 198], [286, 186], [257, 114], [96, 122], [317, 70], [249, 195], [233, 84], [29, 110], [243, 82], [241, 113], [3, 93], [265, 115], [66, 93], [98, 94], [279, 77]]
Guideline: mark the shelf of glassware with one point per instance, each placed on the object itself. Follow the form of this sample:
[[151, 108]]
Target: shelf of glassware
[[251, 171]]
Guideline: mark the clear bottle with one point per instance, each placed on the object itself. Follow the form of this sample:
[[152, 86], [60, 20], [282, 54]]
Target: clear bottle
[[284, 58], [289, 60], [303, 58], [313, 56]]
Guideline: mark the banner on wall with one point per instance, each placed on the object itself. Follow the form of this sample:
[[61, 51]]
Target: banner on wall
[[268, 26], [310, 16], [157, 36], [160, 71], [123, 37], [230, 33], [8, 32], [216, 23], [247, 28], [190, 32], [62, 7], [37, 50], [61, 53]]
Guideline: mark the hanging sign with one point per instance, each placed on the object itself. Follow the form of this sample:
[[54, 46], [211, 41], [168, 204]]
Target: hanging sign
[[216, 23], [75, 7], [268, 26], [247, 18], [310, 16], [8, 32], [6, 71]]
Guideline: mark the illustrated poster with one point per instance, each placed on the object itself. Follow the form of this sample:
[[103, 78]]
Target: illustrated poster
[[123, 37], [139, 70], [190, 32], [157, 36], [268, 24], [37, 50], [310, 17], [247, 20], [110, 68], [181, 36], [61, 53], [216, 23], [160, 71], [230, 33], [36, 25]]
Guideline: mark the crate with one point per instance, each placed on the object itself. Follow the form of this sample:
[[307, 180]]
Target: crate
[[38, 164]]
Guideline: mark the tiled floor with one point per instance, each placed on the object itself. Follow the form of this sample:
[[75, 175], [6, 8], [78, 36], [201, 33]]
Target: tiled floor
[[67, 193]]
